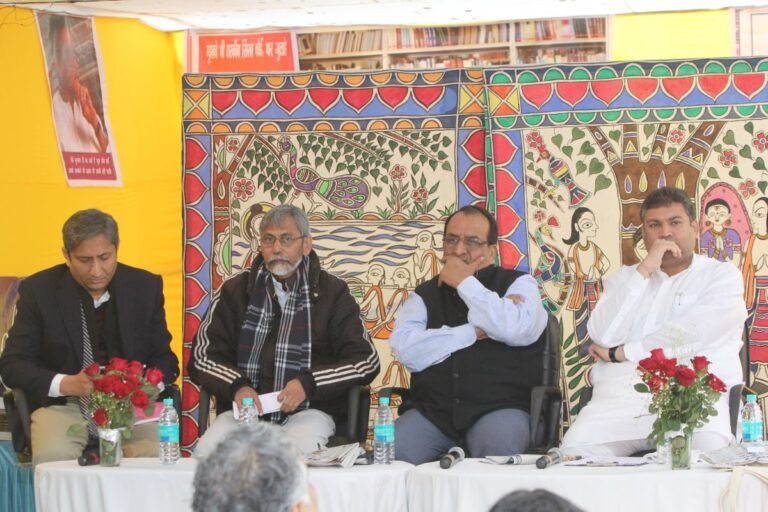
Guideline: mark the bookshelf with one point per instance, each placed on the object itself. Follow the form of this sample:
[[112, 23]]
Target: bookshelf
[[519, 42]]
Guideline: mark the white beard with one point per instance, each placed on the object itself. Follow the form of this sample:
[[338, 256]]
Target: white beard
[[281, 267]]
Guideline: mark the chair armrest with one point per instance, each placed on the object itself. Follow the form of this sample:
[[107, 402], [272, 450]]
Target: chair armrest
[[22, 418], [538, 395], [203, 412]]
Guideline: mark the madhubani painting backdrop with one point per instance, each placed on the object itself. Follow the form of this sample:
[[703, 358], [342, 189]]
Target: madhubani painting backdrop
[[562, 155]]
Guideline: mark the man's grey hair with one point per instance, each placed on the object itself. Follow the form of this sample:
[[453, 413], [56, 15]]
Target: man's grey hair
[[537, 500], [86, 224], [666, 196], [276, 217], [255, 469]]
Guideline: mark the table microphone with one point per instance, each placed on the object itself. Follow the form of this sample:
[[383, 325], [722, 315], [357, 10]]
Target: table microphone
[[89, 457], [453, 457], [553, 456]]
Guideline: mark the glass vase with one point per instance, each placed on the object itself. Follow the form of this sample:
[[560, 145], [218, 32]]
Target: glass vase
[[110, 446], [679, 449]]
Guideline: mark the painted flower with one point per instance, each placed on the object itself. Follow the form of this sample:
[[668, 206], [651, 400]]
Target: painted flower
[[420, 195], [728, 158], [232, 144], [540, 215], [534, 140], [760, 141], [747, 188], [397, 172], [676, 136], [243, 188]]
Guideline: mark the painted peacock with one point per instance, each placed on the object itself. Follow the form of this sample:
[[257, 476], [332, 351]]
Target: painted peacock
[[347, 192]]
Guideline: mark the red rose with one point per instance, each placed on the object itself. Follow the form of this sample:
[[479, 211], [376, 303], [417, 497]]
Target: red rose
[[658, 354], [154, 376], [92, 369], [685, 376], [668, 366], [105, 384], [140, 399], [656, 382], [100, 417], [715, 383], [700, 363], [649, 364], [122, 390], [131, 381], [119, 364], [135, 368]]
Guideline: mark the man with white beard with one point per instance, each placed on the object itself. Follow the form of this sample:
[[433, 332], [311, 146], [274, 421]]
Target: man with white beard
[[284, 325]]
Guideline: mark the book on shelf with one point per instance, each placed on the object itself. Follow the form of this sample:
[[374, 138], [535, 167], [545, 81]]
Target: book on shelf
[[567, 28]]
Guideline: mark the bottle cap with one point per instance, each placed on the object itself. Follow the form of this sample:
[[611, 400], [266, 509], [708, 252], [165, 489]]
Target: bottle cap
[[383, 400], [167, 401], [751, 398], [247, 401]]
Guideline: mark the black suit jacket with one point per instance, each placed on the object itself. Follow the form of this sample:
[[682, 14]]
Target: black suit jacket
[[46, 337]]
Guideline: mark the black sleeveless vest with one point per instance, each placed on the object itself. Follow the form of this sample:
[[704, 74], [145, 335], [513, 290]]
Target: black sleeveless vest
[[486, 376]]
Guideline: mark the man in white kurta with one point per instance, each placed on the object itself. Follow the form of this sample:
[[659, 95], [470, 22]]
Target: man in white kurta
[[676, 300]]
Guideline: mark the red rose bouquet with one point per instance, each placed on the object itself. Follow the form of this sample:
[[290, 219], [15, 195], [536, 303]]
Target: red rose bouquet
[[119, 388], [683, 396]]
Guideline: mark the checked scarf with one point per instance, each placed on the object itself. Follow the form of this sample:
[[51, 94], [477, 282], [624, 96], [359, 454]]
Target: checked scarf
[[293, 347]]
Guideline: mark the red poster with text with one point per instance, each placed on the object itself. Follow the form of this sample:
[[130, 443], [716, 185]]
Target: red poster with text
[[241, 53]]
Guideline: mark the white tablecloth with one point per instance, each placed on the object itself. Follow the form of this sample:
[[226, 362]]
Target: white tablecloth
[[137, 485], [143, 485], [475, 486]]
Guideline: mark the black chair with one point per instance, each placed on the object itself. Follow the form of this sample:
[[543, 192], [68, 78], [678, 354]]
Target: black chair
[[351, 429], [734, 394], [546, 398], [20, 420]]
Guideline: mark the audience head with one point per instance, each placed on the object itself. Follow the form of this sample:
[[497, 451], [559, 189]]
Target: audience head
[[90, 249], [538, 500], [255, 469]]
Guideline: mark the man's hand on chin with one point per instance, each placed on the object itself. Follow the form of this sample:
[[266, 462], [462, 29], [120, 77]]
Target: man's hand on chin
[[455, 270]]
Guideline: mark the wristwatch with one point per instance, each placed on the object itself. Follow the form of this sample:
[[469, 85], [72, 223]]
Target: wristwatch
[[612, 354]]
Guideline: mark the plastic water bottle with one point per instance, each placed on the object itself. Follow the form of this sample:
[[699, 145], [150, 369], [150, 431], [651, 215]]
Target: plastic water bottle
[[249, 415], [169, 433], [384, 433], [752, 425]]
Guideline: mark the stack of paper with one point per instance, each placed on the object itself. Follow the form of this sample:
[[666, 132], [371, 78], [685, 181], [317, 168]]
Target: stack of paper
[[344, 456]]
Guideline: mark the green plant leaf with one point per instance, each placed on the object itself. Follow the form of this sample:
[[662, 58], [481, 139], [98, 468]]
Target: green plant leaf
[[745, 152], [762, 186], [602, 182], [759, 164], [577, 134], [557, 140], [615, 135], [648, 129], [580, 167], [730, 138], [595, 167], [712, 173], [568, 150], [735, 173], [587, 149]]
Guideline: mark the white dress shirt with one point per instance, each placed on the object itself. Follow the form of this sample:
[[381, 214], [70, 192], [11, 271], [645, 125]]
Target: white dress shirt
[[501, 319]]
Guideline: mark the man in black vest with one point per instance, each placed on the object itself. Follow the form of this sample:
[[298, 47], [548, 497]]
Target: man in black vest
[[472, 339]]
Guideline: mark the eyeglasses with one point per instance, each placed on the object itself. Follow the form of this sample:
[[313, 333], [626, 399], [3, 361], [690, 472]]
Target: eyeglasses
[[470, 242], [285, 240]]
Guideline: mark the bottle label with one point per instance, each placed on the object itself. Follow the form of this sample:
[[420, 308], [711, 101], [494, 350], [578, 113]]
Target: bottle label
[[752, 431], [169, 433], [384, 433]]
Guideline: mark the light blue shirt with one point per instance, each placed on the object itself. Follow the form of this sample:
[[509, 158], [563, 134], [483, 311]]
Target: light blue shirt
[[516, 325]]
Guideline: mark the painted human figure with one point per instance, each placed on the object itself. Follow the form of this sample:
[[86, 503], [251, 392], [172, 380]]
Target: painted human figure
[[720, 241], [589, 264], [251, 220], [372, 305], [425, 261], [755, 272], [383, 328]]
